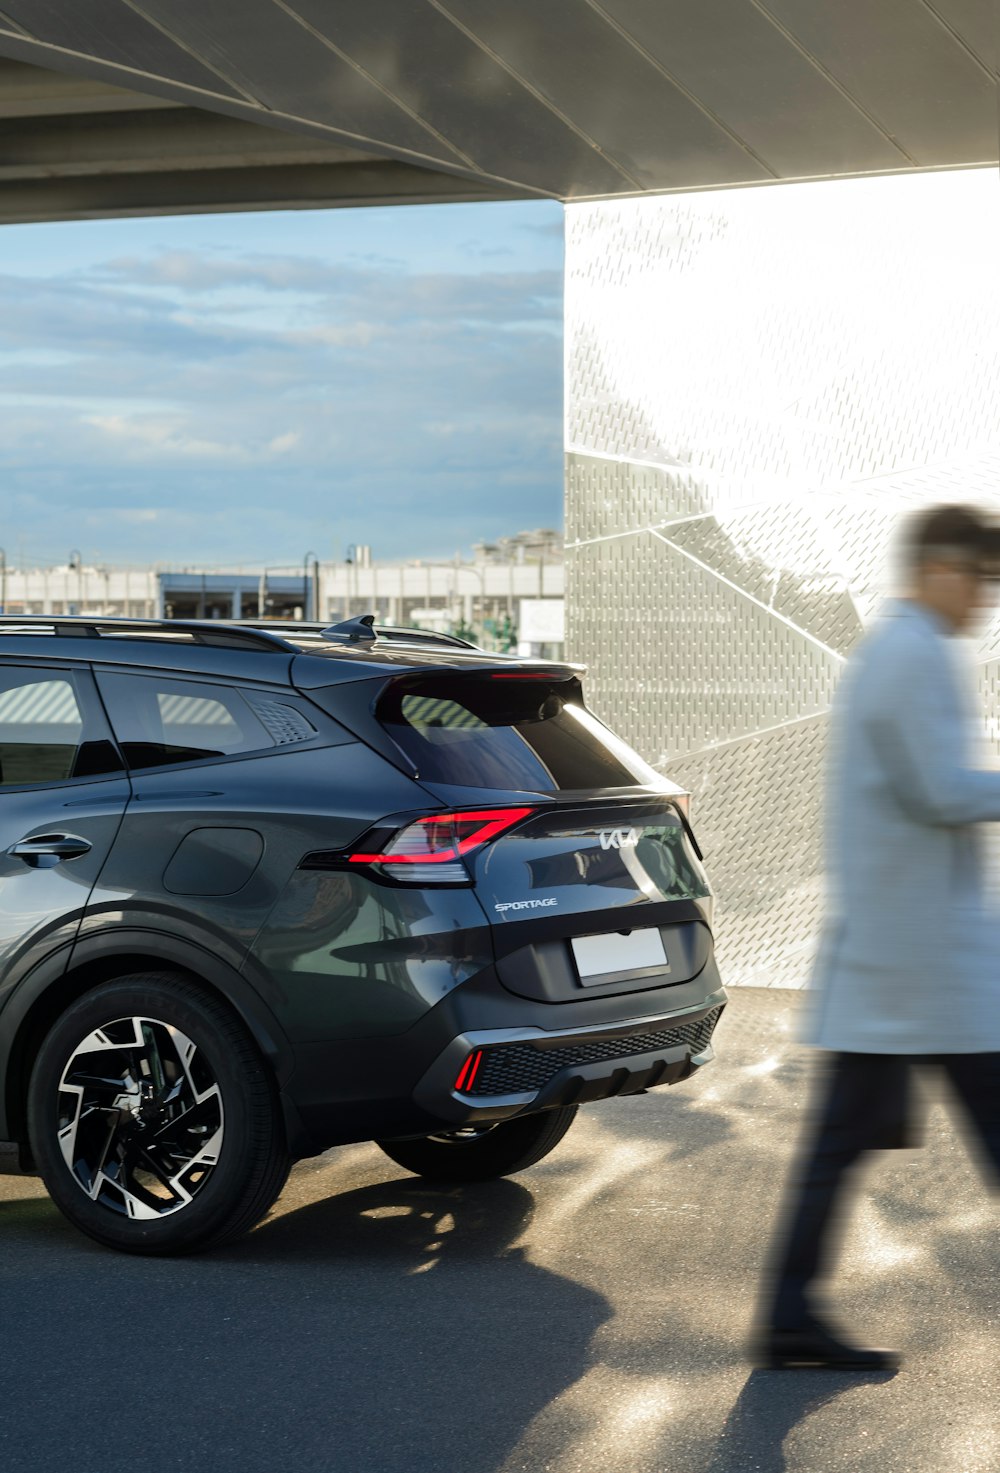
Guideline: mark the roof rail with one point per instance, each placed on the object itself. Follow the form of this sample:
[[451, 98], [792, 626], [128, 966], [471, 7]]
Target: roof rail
[[208, 631], [261, 634], [424, 636], [362, 630]]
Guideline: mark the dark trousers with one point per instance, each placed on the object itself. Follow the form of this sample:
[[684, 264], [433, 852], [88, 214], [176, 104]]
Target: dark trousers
[[865, 1105]]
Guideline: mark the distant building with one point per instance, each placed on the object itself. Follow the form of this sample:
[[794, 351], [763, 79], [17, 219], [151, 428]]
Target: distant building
[[509, 596], [74, 589]]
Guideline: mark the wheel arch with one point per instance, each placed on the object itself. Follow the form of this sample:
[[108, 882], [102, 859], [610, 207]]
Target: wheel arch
[[50, 989]]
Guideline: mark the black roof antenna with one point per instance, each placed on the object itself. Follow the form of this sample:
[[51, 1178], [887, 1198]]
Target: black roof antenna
[[353, 631]]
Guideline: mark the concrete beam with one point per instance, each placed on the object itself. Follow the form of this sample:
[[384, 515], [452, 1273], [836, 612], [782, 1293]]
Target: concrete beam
[[164, 142], [34, 92], [200, 191]]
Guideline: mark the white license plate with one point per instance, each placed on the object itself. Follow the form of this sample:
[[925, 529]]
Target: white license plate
[[619, 951]]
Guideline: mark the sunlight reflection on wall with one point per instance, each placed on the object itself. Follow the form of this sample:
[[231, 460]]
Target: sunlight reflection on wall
[[760, 382]]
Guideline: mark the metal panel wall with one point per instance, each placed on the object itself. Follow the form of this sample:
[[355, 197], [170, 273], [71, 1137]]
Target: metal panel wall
[[760, 383]]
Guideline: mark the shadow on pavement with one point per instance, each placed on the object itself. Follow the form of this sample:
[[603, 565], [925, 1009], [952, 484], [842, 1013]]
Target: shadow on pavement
[[769, 1407], [392, 1327], [397, 1220], [681, 1121]]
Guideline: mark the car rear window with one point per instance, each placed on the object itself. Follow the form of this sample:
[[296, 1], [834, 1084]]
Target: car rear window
[[502, 732]]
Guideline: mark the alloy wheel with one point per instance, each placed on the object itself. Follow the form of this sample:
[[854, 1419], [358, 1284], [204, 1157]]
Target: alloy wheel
[[141, 1118]]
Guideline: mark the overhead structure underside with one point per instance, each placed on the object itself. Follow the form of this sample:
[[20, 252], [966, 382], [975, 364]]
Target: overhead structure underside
[[136, 107]]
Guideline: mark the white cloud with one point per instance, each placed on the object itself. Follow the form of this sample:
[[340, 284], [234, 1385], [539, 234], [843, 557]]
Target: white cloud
[[162, 436], [282, 443], [131, 516], [196, 273], [272, 400], [349, 335]]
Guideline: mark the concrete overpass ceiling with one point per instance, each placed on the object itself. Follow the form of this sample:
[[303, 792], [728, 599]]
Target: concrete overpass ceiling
[[73, 147], [143, 106]]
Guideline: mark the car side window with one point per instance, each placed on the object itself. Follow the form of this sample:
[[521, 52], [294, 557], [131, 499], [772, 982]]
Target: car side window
[[160, 721], [45, 733]]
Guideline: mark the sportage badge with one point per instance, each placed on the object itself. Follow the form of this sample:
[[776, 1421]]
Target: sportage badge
[[505, 905]]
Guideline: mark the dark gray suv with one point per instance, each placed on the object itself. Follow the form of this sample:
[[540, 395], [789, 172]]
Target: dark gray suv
[[266, 889]]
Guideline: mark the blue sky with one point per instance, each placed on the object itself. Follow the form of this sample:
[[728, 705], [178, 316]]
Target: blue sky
[[237, 388]]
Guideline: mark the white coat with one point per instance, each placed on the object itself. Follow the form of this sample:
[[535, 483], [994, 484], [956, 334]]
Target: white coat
[[909, 962]]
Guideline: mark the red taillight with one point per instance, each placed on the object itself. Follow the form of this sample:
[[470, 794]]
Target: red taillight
[[437, 844], [469, 1071]]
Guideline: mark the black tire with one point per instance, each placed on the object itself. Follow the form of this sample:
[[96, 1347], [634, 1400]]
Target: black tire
[[484, 1152], [153, 1118]]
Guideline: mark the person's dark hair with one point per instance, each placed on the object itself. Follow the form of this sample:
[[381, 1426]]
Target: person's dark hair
[[953, 534]]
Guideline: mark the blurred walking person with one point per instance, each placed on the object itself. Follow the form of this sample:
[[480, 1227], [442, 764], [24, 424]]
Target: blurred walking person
[[909, 967]]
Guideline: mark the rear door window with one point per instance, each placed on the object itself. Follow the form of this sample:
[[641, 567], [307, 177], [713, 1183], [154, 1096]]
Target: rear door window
[[50, 731], [504, 732], [161, 721]]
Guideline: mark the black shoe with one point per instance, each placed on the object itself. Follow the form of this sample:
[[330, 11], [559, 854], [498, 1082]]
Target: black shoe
[[811, 1344]]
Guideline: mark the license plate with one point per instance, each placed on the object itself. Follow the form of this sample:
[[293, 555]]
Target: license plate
[[619, 951]]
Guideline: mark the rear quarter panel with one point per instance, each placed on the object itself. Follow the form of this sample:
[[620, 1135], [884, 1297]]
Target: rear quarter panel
[[240, 826]]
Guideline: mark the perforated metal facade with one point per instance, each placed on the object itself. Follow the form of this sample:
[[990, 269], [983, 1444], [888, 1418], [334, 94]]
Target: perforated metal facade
[[760, 383]]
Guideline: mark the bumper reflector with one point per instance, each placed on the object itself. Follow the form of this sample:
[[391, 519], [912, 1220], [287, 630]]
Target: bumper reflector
[[469, 1070]]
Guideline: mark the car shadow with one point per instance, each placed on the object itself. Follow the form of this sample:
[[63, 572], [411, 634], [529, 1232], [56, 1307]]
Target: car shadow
[[442, 1340], [397, 1326], [396, 1219]]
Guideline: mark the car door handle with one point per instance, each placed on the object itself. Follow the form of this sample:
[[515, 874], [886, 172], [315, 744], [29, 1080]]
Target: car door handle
[[43, 851]]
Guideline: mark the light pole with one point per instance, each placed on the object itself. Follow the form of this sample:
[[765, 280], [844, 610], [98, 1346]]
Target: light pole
[[76, 561], [350, 559], [310, 606], [480, 574]]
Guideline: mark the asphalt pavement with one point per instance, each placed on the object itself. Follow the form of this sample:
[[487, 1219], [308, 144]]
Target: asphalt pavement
[[588, 1316]]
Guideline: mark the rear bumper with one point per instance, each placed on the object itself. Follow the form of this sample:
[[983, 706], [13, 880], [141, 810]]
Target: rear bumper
[[363, 1088], [523, 1070]]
